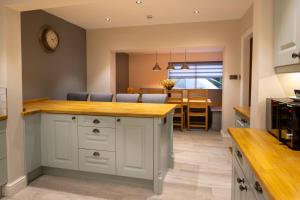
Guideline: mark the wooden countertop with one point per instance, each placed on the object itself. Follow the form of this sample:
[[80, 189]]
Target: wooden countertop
[[277, 166], [3, 117], [98, 108], [243, 110]]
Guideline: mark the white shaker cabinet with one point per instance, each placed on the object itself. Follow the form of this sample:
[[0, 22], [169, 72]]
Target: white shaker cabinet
[[134, 147], [286, 32], [60, 141]]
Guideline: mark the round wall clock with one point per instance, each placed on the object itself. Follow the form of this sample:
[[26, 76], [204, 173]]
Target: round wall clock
[[49, 39]]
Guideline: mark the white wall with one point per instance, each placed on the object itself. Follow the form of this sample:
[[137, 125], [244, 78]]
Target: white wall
[[265, 82], [2, 49], [11, 52], [102, 42]]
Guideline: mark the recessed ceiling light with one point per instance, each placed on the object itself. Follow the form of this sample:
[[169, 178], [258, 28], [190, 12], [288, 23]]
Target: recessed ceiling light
[[196, 11], [139, 2], [149, 16], [107, 19]]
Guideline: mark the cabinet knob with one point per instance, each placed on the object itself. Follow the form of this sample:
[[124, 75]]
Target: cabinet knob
[[296, 55], [118, 120], [73, 118], [258, 187], [239, 154], [97, 154], [96, 121], [240, 180], [96, 130], [243, 188]]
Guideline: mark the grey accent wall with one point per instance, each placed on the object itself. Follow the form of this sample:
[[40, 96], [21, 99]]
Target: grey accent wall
[[52, 75], [122, 72]]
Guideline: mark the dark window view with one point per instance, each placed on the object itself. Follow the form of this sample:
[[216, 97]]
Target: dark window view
[[202, 75]]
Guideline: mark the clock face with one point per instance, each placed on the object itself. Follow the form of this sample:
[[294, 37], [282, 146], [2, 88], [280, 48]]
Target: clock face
[[49, 39]]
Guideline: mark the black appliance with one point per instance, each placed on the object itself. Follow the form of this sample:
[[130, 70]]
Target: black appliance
[[283, 121]]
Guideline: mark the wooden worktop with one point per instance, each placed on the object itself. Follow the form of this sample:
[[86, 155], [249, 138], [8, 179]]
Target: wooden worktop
[[277, 166], [243, 110], [98, 108], [3, 117]]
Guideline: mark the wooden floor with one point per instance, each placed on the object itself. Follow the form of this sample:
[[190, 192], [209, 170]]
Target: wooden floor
[[202, 172]]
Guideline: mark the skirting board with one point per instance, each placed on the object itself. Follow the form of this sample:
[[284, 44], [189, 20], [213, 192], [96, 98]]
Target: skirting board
[[15, 186], [224, 133]]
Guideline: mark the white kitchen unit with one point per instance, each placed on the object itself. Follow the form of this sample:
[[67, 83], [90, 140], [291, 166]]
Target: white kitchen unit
[[286, 32], [241, 121], [3, 156], [140, 148], [245, 185]]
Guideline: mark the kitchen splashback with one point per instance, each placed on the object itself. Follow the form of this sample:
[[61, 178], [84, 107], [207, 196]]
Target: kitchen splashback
[[3, 101], [289, 82]]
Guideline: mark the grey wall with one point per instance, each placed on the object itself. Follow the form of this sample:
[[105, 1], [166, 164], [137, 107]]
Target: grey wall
[[122, 72], [52, 75]]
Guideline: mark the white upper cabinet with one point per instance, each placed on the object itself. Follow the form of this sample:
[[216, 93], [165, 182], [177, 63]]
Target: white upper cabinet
[[134, 149], [286, 32], [61, 141]]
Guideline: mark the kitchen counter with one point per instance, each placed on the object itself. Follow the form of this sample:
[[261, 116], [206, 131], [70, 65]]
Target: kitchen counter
[[98, 108], [3, 117], [243, 110], [275, 165]]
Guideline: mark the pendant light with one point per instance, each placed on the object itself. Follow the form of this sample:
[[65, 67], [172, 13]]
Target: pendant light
[[185, 65], [170, 64], [156, 66]]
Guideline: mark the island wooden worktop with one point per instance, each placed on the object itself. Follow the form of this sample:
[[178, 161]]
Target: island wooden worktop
[[243, 110], [277, 166], [99, 108], [3, 117]]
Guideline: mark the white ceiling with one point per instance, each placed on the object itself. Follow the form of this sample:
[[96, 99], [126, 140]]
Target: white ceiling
[[128, 13]]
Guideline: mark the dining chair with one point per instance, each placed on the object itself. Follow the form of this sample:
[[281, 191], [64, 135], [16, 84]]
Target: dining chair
[[197, 108], [77, 96], [152, 91], [101, 97], [155, 98], [130, 98], [176, 97]]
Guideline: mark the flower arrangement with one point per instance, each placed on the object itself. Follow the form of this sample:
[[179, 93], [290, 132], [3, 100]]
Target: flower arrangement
[[168, 84]]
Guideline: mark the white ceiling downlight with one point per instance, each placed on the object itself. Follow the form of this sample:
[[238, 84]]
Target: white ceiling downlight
[[139, 2]]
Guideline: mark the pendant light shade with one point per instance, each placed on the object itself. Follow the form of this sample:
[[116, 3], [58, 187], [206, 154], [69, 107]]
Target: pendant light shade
[[185, 66], [156, 66], [170, 64]]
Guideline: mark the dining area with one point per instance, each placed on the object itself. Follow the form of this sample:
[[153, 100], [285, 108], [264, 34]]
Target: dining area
[[194, 107]]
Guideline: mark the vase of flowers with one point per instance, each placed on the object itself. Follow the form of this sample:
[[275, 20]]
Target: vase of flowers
[[168, 84]]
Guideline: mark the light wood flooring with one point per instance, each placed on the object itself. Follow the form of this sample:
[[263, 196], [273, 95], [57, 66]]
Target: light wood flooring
[[202, 172]]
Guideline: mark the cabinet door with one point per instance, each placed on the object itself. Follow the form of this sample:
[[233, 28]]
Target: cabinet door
[[62, 142], [134, 147], [286, 31]]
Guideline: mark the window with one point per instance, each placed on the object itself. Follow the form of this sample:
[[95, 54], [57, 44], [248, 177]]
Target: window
[[200, 75]]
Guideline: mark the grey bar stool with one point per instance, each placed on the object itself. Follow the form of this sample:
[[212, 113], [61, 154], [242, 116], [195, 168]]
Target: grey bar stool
[[155, 98], [132, 98], [77, 96], [101, 97]]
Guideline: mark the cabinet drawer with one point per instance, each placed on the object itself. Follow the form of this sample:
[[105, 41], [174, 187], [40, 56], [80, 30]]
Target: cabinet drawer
[[97, 138], [3, 172], [258, 188], [237, 153], [97, 121], [97, 161], [2, 144]]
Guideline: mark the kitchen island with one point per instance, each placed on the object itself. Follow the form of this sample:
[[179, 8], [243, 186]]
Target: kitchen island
[[130, 141]]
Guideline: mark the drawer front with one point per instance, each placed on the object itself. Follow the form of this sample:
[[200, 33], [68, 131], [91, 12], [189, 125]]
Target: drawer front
[[97, 138], [240, 158], [3, 172], [2, 144], [258, 188], [97, 121], [97, 161]]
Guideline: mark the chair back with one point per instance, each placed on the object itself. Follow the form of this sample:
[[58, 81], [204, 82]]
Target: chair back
[[101, 97], [152, 91], [175, 97], [130, 98], [197, 98], [154, 98], [77, 96]]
